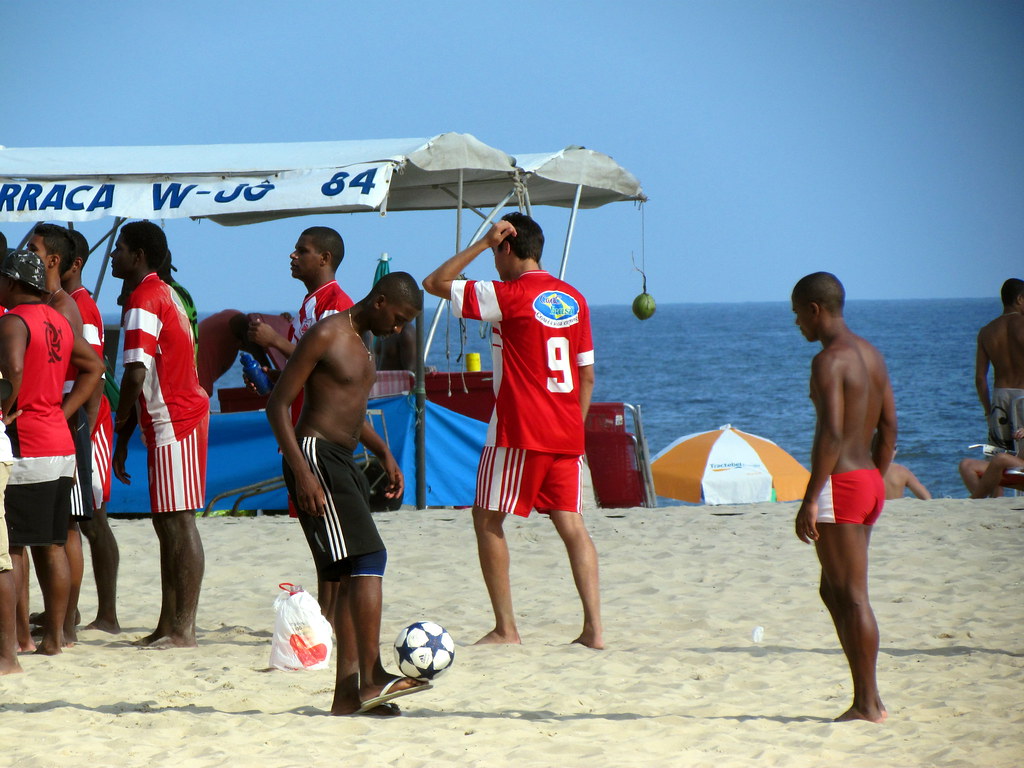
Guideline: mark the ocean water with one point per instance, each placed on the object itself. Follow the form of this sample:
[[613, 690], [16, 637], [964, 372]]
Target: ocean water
[[695, 367]]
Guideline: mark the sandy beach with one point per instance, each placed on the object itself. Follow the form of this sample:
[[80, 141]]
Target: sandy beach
[[681, 682]]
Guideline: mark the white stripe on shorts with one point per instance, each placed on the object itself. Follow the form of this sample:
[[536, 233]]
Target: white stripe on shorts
[[100, 464], [176, 477], [77, 501], [826, 505], [499, 478], [335, 535]]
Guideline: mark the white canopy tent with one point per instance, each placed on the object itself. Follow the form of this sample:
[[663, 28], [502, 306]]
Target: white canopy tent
[[235, 184]]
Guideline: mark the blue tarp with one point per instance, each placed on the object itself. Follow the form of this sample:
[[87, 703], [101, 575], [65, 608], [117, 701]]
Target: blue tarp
[[242, 451]]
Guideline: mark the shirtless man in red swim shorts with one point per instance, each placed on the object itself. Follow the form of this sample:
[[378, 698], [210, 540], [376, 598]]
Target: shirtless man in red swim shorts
[[853, 399]]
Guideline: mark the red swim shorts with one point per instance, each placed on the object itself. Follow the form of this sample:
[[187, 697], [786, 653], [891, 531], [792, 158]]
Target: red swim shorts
[[854, 497], [517, 481]]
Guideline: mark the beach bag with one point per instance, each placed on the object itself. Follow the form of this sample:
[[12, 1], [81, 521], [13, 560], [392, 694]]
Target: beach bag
[[302, 636]]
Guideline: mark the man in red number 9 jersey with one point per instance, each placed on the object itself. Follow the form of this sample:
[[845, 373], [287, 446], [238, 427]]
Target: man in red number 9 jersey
[[543, 358]]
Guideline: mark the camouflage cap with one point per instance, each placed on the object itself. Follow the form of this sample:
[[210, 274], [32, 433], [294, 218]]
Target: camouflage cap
[[25, 267]]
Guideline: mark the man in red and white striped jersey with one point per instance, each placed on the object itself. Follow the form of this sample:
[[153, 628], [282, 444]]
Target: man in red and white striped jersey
[[543, 359], [174, 413], [318, 253], [102, 544]]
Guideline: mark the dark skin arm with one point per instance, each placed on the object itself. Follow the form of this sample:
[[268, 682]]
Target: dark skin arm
[[13, 338], [885, 442], [981, 365], [124, 424], [827, 396], [308, 352], [89, 380]]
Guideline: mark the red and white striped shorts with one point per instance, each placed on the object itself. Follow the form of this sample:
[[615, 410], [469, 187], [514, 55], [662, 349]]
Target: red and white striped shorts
[[177, 472], [102, 438], [517, 480]]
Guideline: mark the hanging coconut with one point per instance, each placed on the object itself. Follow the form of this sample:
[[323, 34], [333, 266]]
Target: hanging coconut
[[644, 306]]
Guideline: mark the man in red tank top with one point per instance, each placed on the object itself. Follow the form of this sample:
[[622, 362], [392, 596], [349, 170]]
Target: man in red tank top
[[54, 245], [37, 345]]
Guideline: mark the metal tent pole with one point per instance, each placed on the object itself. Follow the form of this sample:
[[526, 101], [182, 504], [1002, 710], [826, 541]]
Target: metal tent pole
[[421, 427], [441, 302], [568, 234]]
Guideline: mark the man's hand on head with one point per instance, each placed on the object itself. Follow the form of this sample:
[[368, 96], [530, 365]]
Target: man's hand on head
[[499, 232]]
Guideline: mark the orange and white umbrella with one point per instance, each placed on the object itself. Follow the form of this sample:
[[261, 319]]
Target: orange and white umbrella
[[726, 466]]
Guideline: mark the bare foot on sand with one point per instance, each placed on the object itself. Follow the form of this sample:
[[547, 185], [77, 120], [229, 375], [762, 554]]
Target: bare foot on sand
[[499, 638], [591, 640], [12, 668], [110, 627], [49, 648], [873, 715], [161, 642]]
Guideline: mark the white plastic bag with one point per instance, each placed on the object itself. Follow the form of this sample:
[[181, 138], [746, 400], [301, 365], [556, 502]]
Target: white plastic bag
[[302, 636]]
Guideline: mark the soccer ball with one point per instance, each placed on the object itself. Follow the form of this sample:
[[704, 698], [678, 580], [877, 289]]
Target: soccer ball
[[424, 650]]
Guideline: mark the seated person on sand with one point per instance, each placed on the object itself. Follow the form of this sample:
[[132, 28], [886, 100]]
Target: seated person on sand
[[898, 479], [982, 476], [224, 334]]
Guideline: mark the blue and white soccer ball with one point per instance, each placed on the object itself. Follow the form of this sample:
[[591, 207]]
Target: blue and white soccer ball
[[424, 650]]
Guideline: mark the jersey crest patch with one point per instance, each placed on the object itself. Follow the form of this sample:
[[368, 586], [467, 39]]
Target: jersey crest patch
[[556, 309]]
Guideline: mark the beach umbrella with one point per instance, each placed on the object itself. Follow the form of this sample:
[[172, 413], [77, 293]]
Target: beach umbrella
[[383, 268], [726, 466]]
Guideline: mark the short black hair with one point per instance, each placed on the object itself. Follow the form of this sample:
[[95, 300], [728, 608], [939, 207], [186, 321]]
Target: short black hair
[[57, 240], [529, 240], [3, 245], [147, 237], [399, 288], [81, 251], [327, 239], [823, 289], [1011, 291]]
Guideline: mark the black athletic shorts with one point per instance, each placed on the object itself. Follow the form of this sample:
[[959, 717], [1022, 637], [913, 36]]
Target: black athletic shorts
[[347, 529]]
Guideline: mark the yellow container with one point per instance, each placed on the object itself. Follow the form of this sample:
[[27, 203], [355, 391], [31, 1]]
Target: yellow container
[[472, 361]]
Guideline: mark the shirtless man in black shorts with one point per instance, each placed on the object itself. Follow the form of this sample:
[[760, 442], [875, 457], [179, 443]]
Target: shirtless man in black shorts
[[336, 370]]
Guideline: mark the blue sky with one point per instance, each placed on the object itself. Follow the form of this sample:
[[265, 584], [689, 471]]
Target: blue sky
[[882, 141]]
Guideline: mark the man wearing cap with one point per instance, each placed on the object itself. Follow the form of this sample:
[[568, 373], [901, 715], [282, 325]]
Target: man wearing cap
[[55, 246], [173, 411], [37, 345]]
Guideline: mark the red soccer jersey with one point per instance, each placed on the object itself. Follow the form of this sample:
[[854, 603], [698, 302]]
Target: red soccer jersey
[[326, 300], [157, 334], [41, 429], [539, 339], [92, 331]]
